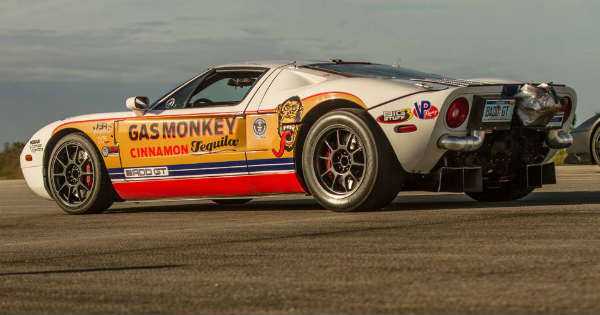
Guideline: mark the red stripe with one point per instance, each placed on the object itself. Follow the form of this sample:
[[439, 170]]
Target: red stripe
[[232, 186]]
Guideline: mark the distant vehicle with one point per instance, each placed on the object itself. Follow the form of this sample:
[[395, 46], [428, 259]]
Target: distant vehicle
[[586, 144], [351, 134]]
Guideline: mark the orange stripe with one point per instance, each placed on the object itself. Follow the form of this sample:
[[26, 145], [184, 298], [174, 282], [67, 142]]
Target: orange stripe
[[266, 111]]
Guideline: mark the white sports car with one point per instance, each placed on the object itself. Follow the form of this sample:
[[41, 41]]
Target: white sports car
[[351, 134]]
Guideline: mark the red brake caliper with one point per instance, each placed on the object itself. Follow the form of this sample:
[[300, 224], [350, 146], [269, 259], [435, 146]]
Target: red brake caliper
[[329, 162], [88, 178]]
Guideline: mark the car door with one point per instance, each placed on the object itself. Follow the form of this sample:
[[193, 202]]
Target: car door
[[191, 140]]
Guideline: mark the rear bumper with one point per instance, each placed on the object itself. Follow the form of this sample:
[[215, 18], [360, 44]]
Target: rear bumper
[[470, 179], [555, 139]]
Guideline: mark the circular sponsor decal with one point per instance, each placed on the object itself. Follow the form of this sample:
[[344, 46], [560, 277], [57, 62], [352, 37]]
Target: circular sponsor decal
[[105, 151], [259, 127]]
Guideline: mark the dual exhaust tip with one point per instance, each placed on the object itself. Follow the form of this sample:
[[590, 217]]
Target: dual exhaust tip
[[555, 139]]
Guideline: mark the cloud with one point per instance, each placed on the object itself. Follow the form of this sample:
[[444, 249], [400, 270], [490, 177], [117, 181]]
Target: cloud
[[125, 47]]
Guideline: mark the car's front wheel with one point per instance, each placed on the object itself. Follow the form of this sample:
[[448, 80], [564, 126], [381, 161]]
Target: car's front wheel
[[347, 163], [77, 178]]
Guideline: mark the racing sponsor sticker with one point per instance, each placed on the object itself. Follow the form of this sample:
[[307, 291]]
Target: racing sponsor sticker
[[146, 172], [102, 128], [182, 129], [35, 145], [223, 144], [395, 116], [289, 115], [159, 151], [425, 110], [259, 127]]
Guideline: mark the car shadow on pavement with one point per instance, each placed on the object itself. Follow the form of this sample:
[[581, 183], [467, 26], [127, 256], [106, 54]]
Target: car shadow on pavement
[[460, 201], [404, 202], [206, 206], [86, 270]]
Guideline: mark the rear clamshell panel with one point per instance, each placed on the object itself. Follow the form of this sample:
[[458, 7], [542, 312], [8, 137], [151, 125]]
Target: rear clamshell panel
[[417, 151]]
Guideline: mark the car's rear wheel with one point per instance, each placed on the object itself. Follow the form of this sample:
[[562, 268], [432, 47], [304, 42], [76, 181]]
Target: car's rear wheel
[[77, 178], [347, 163], [595, 146]]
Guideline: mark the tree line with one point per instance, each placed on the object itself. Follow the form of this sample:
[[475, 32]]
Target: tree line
[[9, 161]]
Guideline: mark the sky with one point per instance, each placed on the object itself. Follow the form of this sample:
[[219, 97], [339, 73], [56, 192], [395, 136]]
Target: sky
[[62, 58]]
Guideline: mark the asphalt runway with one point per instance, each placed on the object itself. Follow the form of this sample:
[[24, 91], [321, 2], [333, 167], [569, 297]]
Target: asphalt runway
[[425, 253]]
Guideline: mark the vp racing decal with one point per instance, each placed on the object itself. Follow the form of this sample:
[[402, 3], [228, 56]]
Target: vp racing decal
[[424, 110]]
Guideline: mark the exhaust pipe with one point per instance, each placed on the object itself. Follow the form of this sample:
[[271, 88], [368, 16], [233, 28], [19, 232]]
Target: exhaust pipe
[[559, 139], [471, 142]]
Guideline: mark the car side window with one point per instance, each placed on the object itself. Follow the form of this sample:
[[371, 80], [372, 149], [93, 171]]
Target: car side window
[[224, 88], [177, 99]]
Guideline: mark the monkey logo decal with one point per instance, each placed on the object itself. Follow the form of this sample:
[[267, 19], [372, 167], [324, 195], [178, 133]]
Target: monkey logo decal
[[289, 114]]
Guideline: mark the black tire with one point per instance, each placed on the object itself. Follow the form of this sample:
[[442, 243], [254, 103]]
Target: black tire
[[93, 191], [508, 192], [595, 146], [376, 185], [229, 202]]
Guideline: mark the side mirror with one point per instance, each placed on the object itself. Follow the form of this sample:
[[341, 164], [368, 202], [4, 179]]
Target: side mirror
[[138, 104]]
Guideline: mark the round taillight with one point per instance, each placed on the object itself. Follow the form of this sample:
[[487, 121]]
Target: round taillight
[[457, 112]]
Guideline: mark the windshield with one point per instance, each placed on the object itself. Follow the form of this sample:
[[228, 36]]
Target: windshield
[[373, 70]]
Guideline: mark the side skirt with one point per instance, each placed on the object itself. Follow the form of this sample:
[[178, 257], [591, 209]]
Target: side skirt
[[225, 186]]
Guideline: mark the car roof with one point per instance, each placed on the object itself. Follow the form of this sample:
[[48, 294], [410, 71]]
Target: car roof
[[270, 63]]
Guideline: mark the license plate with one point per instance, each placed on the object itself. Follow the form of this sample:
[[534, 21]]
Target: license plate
[[498, 111]]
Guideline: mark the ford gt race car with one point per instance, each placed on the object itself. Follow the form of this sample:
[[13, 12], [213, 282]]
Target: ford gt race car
[[350, 134]]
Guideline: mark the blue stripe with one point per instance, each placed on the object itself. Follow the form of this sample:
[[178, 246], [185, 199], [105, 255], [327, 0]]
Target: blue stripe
[[228, 167], [208, 172], [117, 176], [264, 168], [270, 161]]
